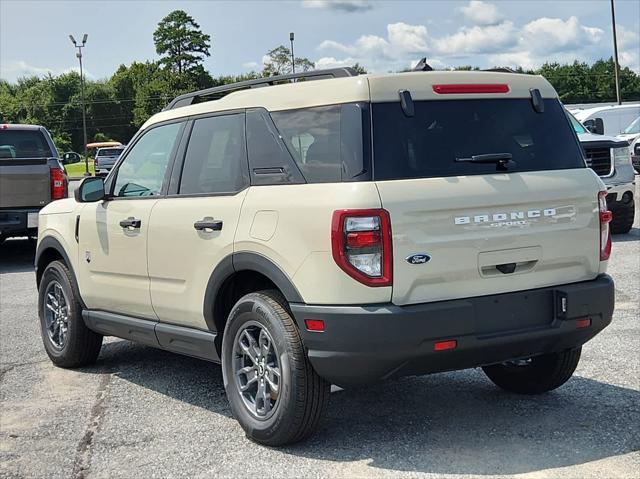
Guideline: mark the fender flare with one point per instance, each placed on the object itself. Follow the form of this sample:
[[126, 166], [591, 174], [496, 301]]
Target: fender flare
[[245, 261], [50, 242]]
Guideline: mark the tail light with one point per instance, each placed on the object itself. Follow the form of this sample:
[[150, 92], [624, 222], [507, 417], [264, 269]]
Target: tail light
[[361, 245], [58, 184], [605, 232]]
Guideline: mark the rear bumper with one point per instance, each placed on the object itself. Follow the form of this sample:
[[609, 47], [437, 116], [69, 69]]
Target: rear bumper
[[361, 344], [18, 222]]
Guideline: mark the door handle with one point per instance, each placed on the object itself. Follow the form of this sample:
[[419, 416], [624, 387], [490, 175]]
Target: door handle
[[208, 224], [131, 222]]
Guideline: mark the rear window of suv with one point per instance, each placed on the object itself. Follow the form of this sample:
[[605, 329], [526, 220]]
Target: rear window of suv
[[23, 144], [443, 131]]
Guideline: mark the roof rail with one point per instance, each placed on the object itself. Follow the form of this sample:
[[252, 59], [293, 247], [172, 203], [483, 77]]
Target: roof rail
[[218, 92], [500, 70]]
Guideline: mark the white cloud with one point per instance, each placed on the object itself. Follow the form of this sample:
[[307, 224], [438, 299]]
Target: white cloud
[[343, 5], [331, 62], [402, 40], [481, 13], [627, 38], [478, 39], [20, 68], [546, 35], [250, 65]]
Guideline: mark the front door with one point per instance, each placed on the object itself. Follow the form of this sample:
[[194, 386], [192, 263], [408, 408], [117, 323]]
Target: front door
[[113, 233], [192, 230]]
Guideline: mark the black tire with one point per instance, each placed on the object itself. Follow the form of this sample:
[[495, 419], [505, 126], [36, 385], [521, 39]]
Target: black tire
[[303, 395], [539, 375], [623, 216], [82, 345]]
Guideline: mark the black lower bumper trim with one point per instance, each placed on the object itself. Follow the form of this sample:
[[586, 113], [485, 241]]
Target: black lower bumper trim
[[361, 344]]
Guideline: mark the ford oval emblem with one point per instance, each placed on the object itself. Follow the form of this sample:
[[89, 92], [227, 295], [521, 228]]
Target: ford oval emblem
[[418, 258]]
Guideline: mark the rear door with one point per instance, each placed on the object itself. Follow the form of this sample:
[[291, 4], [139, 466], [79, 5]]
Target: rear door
[[192, 230], [113, 234], [485, 228]]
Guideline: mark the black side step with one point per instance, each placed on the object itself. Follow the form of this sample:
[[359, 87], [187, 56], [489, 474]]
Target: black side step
[[177, 339]]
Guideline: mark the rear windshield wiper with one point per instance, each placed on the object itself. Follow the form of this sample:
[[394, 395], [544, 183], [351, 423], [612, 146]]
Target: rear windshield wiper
[[499, 158]]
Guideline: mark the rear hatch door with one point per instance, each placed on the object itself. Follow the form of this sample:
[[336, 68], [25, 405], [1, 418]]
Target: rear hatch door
[[484, 228]]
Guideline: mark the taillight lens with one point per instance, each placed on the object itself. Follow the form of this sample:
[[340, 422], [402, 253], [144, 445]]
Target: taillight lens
[[361, 245], [58, 184], [605, 232]]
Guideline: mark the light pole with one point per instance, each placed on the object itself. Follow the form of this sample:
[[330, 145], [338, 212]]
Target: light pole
[[84, 118], [293, 61], [615, 53]]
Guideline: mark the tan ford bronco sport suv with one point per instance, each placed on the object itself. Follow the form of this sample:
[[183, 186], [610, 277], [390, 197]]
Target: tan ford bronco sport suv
[[328, 228]]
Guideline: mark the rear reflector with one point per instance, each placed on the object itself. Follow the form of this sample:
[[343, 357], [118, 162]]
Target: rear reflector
[[445, 345], [316, 325], [583, 323], [471, 88]]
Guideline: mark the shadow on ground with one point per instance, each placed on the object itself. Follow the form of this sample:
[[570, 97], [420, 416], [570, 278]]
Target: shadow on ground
[[450, 423], [17, 255]]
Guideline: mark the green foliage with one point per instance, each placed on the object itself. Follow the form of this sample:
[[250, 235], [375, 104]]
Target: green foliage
[[180, 43], [279, 62], [359, 69]]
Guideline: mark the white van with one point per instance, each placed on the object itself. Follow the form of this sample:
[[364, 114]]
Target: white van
[[615, 118]]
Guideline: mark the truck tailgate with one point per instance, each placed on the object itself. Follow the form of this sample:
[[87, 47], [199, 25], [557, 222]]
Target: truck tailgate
[[24, 183]]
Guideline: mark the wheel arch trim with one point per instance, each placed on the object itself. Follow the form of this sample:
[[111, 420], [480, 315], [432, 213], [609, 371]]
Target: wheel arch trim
[[47, 243], [245, 261]]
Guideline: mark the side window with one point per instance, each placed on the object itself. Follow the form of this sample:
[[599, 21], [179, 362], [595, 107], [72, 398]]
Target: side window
[[270, 161], [216, 157], [326, 142], [143, 171]]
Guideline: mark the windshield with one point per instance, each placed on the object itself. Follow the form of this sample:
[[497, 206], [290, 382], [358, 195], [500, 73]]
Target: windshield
[[633, 128], [23, 144], [109, 152], [443, 136], [577, 126]]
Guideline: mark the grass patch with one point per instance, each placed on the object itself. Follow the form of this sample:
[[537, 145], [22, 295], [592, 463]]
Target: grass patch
[[76, 170]]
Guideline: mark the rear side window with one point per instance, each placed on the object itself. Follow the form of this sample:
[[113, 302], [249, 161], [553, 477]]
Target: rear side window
[[216, 157], [326, 142], [23, 144], [429, 143], [109, 152]]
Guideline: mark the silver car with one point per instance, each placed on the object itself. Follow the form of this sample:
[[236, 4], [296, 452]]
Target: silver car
[[106, 158]]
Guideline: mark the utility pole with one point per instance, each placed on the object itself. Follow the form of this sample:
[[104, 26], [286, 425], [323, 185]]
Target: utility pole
[[615, 53], [293, 60], [84, 118]]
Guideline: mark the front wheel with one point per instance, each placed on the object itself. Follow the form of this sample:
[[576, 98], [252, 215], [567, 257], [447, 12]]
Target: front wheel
[[273, 391], [535, 375], [623, 216], [67, 340]]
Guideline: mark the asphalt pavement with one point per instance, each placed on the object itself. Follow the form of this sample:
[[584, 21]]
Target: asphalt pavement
[[142, 412]]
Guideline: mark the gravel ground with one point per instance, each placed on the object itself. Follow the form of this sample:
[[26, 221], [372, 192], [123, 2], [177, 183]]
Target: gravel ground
[[146, 413]]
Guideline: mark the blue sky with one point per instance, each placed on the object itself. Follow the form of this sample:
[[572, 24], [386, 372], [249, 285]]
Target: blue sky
[[383, 36]]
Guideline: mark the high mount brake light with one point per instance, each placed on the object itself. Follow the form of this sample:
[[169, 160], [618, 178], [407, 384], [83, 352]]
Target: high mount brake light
[[361, 245], [605, 217], [58, 184], [451, 89]]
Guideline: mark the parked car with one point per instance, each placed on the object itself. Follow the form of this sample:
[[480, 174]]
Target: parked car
[[342, 231], [31, 176], [614, 118], [631, 134], [610, 158], [105, 159]]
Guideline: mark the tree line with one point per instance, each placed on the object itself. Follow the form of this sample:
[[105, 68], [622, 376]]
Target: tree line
[[117, 106]]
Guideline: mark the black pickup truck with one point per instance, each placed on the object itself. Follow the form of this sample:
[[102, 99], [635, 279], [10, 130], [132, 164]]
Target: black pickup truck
[[31, 176]]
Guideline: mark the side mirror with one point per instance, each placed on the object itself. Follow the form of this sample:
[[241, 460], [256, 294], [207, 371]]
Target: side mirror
[[89, 190], [595, 126], [70, 157]]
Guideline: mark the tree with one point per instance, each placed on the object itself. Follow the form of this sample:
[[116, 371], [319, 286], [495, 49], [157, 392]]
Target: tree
[[360, 70], [278, 62], [180, 42]]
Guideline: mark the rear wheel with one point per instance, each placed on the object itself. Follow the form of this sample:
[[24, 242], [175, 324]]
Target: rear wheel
[[67, 340], [273, 391], [623, 216], [535, 375]]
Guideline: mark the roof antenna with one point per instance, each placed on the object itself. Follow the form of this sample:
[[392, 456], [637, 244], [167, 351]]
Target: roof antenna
[[422, 66]]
